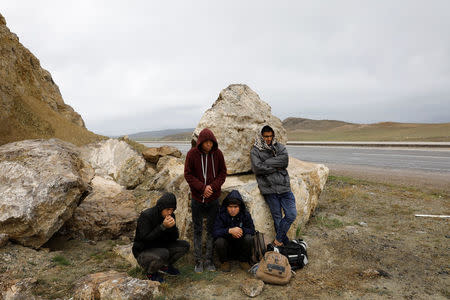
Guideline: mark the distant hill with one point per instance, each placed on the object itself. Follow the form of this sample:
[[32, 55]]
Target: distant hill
[[291, 124], [31, 105], [300, 129], [167, 134]]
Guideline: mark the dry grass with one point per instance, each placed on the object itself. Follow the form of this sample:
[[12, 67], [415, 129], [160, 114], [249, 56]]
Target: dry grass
[[387, 131]]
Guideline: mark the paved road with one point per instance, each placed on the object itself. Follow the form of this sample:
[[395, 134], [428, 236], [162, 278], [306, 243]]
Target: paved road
[[431, 160]]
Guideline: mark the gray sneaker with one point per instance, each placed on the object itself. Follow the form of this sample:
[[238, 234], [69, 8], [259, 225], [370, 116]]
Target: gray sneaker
[[209, 266], [198, 267]]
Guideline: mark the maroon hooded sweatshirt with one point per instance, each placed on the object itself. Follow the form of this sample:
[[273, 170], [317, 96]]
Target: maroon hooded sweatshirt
[[212, 164]]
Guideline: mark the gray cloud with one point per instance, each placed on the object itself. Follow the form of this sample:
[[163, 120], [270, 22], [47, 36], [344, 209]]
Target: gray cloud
[[147, 65]]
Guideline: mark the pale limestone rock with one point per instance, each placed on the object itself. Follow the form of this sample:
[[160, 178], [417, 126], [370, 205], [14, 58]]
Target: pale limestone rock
[[41, 184], [21, 290], [4, 238], [125, 251], [114, 285], [235, 119], [108, 212], [252, 287], [114, 159], [153, 154], [307, 182]]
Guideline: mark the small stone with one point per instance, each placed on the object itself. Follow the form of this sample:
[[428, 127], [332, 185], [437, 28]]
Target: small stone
[[351, 229], [363, 224], [370, 273], [252, 287], [4, 238]]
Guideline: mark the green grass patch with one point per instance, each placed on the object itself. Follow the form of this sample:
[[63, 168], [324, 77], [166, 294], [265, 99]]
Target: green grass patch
[[137, 272], [330, 223], [187, 272], [60, 260]]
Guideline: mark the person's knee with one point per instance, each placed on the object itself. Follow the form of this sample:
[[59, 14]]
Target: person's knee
[[248, 239], [220, 243], [291, 215], [184, 245]]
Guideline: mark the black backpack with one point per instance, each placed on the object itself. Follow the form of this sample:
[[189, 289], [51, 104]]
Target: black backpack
[[295, 251]]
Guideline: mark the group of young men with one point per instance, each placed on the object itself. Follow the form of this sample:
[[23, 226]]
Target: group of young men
[[229, 226]]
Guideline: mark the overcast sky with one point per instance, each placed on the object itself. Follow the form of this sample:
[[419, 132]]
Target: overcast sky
[[130, 66]]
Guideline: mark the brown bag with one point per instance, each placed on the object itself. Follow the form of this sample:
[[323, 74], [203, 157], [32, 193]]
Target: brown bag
[[259, 247], [274, 268]]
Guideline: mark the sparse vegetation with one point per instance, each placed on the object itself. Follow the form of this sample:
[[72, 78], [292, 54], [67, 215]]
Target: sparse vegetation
[[347, 235], [60, 260]]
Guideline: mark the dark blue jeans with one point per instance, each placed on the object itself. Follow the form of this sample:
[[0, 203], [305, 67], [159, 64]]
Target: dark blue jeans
[[276, 202]]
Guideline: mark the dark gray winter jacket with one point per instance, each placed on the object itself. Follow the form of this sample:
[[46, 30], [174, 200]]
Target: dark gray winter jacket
[[269, 164]]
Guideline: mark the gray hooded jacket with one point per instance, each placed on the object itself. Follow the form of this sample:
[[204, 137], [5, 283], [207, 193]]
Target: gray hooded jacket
[[269, 164]]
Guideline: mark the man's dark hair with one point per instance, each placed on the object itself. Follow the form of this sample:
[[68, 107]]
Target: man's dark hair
[[267, 128]]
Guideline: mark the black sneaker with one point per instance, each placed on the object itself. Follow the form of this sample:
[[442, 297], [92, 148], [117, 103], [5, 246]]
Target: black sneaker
[[155, 277], [169, 270]]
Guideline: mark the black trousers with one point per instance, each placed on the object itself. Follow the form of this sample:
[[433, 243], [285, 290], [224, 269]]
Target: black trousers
[[151, 260], [230, 248], [199, 212]]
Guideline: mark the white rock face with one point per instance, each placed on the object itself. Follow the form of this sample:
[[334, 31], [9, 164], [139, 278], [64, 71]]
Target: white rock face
[[108, 212], [114, 285], [307, 182], [41, 184], [116, 160], [235, 119]]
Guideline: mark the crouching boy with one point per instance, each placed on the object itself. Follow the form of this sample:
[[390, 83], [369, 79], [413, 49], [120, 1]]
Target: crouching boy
[[156, 246], [233, 232]]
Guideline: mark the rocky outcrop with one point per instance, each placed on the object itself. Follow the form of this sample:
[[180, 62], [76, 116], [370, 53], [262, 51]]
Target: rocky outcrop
[[115, 160], [108, 212], [114, 285], [307, 182], [41, 184], [235, 118], [31, 105], [153, 154]]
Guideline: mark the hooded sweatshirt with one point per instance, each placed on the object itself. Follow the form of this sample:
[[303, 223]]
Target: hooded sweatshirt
[[224, 221], [202, 169], [150, 233]]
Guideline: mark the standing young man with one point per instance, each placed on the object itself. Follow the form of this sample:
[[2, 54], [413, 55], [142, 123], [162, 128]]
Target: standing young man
[[205, 172], [156, 246], [233, 231], [269, 162]]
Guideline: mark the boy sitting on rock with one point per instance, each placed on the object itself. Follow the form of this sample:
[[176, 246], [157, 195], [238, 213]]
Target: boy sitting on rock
[[233, 232]]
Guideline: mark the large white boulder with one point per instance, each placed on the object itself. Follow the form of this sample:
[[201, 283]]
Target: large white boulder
[[41, 184], [116, 160], [235, 119]]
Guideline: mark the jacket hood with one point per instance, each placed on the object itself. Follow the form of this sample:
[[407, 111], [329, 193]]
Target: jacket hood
[[168, 200], [206, 134], [260, 143], [235, 195]]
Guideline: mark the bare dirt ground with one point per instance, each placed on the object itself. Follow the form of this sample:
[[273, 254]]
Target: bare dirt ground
[[364, 243]]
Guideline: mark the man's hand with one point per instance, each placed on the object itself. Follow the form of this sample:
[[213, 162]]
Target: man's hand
[[236, 232], [208, 191], [169, 222]]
